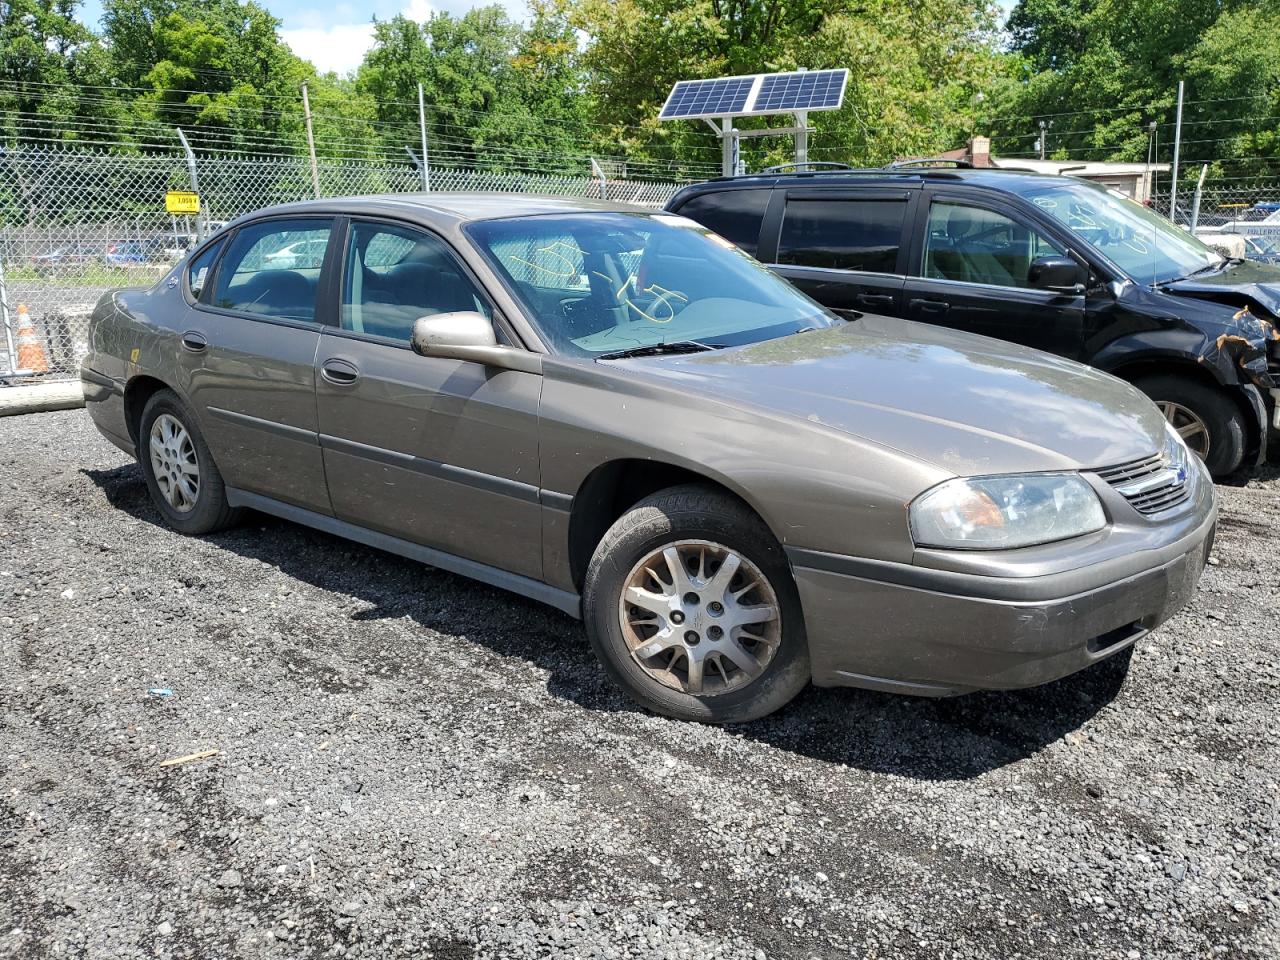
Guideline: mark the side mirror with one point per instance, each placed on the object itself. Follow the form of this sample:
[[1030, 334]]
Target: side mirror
[[467, 335], [1060, 274]]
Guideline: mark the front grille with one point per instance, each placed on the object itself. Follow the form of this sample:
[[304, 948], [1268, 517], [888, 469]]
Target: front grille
[[1149, 484], [1137, 470]]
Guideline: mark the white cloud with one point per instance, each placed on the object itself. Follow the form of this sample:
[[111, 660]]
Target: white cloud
[[341, 47]]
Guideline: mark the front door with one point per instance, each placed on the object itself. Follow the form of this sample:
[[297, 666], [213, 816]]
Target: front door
[[440, 452], [249, 346], [972, 268]]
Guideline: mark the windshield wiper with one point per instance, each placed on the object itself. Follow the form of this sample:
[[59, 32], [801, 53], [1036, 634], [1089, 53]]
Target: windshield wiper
[[658, 349], [1198, 272]]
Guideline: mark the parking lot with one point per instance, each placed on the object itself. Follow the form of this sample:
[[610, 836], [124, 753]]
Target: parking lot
[[412, 764]]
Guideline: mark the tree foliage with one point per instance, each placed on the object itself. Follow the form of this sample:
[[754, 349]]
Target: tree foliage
[[588, 77], [1103, 70]]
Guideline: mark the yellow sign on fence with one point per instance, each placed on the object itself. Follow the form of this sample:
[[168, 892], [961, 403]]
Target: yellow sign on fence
[[181, 201]]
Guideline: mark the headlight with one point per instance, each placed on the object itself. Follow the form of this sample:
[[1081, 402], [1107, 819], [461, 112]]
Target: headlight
[[1177, 454], [996, 513]]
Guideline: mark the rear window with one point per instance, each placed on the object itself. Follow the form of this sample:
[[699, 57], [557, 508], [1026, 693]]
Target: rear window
[[843, 234], [273, 268], [735, 215]]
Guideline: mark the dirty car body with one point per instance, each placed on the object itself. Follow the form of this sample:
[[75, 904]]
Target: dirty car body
[[637, 385]]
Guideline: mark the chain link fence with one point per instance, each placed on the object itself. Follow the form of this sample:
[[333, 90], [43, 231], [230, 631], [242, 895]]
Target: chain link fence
[[1251, 211], [74, 224]]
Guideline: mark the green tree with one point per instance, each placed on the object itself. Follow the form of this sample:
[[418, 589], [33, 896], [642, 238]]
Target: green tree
[[46, 56], [915, 69], [496, 93]]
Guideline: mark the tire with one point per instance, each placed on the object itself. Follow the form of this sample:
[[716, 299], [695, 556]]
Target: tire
[[742, 678], [206, 512], [1222, 416]]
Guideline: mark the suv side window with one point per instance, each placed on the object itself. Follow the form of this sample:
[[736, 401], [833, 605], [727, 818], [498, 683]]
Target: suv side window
[[974, 245], [273, 268], [394, 275], [734, 214], [844, 234]]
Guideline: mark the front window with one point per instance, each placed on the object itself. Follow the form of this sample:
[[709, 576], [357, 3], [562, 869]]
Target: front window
[[598, 283], [975, 245], [1146, 246], [394, 275]]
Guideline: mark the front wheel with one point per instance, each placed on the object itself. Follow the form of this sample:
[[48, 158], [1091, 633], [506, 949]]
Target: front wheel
[[690, 606], [1210, 423]]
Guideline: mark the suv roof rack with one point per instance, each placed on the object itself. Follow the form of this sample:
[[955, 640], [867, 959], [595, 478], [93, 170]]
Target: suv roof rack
[[806, 166], [922, 161]]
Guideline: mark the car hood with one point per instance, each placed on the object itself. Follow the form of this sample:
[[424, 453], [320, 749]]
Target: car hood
[[1250, 281], [967, 404]]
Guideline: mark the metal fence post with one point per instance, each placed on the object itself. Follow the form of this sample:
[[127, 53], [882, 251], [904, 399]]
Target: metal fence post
[[10, 352], [201, 216], [422, 128]]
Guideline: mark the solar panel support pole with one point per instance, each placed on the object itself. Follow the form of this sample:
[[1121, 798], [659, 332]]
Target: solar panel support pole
[[802, 138]]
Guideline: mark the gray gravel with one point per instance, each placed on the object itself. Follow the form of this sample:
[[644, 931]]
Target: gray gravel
[[410, 764]]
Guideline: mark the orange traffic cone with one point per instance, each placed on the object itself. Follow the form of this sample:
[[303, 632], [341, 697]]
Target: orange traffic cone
[[31, 355]]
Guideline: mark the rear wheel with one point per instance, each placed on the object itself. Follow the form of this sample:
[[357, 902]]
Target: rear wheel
[[1210, 423], [690, 606], [182, 478]]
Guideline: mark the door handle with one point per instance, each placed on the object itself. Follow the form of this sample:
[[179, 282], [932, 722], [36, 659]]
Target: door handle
[[339, 372], [931, 306], [193, 341], [876, 299]]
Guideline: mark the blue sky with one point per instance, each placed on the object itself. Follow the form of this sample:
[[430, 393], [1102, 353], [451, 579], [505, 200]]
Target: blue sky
[[337, 38]]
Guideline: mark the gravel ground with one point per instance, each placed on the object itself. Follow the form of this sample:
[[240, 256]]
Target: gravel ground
[[410, 764]]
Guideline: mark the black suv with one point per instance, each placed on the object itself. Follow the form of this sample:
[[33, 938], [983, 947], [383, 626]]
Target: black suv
[[1057, 263]]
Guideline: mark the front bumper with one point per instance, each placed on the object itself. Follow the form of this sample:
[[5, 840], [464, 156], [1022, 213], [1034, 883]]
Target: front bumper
[[902, 629]]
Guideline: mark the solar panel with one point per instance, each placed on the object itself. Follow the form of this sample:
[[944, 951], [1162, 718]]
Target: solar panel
[[706, 98], [758, 94], [812, 90]]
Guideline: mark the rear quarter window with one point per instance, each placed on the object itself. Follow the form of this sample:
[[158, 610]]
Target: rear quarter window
[[735, 215]]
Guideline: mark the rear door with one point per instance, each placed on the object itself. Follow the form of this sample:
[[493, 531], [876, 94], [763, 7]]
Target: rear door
[[440, 452], [970, 261], [249, 350], [844, 247]]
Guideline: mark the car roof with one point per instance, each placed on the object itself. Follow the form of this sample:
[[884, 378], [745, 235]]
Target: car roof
[[448, 208], [1004, 179]]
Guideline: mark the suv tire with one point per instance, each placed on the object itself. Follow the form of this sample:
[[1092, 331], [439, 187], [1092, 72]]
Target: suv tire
[[1221, 416], [184, 482], [691, 649]]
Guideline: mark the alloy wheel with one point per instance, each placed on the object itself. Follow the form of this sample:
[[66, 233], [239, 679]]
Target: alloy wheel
[[174, 463], [1191, 427], [700, 618]]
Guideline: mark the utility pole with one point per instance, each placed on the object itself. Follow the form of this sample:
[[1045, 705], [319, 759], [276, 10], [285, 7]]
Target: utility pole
[[422, 128], [1044, 138], [1177, 146], [1153, 143], [311, 143]]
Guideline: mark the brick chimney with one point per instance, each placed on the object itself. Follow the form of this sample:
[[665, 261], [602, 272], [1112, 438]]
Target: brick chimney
[[980, 151]]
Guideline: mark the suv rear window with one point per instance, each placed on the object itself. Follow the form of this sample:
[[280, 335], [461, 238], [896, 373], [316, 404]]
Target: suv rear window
[[734, 214], [843, 234]]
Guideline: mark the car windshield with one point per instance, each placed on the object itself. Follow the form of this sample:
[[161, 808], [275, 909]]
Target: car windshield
[[601, 283], [1146, 246], [1264, 245]]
